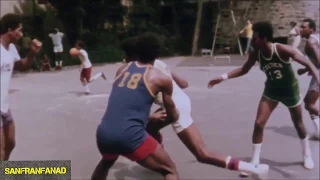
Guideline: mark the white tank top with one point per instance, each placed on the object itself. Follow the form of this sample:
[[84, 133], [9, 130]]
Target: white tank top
[[84, 58], [317, 37], [178, 95]]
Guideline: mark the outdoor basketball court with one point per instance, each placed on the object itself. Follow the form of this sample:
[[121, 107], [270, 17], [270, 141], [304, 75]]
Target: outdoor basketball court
[[56, 122]]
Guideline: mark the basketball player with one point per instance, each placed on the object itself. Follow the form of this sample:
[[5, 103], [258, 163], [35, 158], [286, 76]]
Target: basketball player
[[57, 47], [312, 49], [281, 86], [186, 130], [10, 33], [86, 67], [122, 130]]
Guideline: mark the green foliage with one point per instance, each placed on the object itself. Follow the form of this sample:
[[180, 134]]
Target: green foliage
[[84, 19]]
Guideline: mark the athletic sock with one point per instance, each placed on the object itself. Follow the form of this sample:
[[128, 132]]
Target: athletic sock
[[315, 119], [87, 88], [237, 165], [305, 146], [256, 153]]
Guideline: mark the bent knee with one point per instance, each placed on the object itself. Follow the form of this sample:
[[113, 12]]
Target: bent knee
[[259, 125]]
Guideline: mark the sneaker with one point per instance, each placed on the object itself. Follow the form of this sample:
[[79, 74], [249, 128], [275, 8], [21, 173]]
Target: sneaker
[[58, 68], [261, 172], [103, 76], [308, 162], [245, 174], [314, 136]]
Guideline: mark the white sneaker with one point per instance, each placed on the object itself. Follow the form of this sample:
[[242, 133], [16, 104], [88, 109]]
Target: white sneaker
[[308, 162], [245, 174], [262, 172]]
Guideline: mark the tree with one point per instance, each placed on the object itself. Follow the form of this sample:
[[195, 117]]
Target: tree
[[197, 28], [80, 15]]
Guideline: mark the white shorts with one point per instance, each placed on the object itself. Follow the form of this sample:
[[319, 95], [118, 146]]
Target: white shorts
[[185, 120], [58, 49]]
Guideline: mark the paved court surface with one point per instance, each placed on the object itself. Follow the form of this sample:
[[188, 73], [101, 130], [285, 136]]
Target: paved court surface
[[55, 122]]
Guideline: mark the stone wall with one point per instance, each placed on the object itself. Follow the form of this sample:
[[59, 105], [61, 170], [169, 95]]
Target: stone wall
[[278, 12], [24, 7]]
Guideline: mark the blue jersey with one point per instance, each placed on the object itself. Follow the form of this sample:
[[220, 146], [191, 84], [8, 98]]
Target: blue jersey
[[123, 125]]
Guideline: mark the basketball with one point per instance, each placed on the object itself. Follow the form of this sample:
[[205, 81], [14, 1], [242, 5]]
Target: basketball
[[74, 52]]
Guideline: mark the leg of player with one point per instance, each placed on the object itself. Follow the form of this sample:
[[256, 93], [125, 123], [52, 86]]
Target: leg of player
[[102, 169], [2, 144], [7, 133], [312, 107], [265, 108], [159, 161], [193, 141], [86, 85], [83, 80], [97, 76], [60, 58], [56, 59], [296, 116]]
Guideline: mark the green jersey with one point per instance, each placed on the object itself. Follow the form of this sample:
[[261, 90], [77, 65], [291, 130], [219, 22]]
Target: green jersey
[[281, 79]]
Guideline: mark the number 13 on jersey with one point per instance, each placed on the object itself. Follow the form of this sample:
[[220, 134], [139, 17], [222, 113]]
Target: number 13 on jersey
[[133, 82], [274, 75]]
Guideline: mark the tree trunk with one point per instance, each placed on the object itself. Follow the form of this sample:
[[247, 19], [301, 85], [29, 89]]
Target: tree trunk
[[197, 28]]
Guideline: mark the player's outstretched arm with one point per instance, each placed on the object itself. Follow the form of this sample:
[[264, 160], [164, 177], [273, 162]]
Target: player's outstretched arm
[[297, 56], [166, 88], [253, 56], [26, 62], [181, 82]]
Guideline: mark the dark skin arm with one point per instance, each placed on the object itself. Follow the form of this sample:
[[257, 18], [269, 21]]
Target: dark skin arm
[[312, 47], [158, 115], [287, 52], [25, 63], [164, 85], [253, 56], [182, 83]]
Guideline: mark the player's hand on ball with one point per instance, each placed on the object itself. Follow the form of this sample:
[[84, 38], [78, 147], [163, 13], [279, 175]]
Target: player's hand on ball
[[159, 116], [214, 82], [302, 71]]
